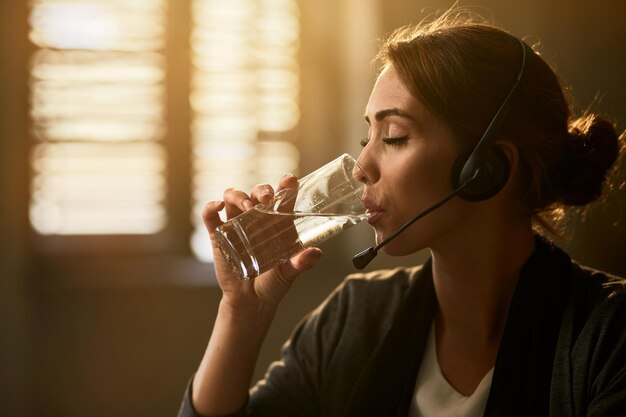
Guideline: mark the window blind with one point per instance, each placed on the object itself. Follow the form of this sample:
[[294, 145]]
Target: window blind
[[245, 91], [98, 98], [97, 110]]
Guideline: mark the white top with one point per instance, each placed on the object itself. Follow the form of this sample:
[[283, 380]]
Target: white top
[[435, 397]]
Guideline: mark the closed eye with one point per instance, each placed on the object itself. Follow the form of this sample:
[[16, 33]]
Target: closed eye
[[395, 140]]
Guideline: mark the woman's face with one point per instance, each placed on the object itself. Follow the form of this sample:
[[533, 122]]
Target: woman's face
[[408, 156]]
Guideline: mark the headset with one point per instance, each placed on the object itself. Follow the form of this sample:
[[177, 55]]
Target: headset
[[487, 168], [476, 177]]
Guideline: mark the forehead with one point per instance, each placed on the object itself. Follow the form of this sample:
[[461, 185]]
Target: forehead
[[390, 100], [390, 93]]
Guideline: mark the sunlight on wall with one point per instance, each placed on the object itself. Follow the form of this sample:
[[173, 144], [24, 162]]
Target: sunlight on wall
[[98, 97], [97, 110], [245, 92]]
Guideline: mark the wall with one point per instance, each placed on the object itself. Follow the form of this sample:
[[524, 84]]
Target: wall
[[79, 346], [15, 292]]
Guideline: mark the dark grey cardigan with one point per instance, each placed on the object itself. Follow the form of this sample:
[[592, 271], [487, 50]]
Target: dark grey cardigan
[[563, 352]]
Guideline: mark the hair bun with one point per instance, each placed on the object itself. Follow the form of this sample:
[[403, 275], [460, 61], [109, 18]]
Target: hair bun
[[593, 148]]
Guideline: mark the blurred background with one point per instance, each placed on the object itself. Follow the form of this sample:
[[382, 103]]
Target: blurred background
[[120, 118]]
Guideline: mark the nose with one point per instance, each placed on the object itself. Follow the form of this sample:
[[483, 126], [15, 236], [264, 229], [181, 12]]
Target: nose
[[364, 171], [358, 173]]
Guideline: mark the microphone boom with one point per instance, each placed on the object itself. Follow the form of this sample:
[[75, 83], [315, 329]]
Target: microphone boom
[[362, 259]]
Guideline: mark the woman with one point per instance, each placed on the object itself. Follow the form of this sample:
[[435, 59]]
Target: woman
[[498, 322]]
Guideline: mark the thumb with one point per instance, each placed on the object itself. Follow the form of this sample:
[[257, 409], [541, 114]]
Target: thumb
[[288, 271], [304, 260]]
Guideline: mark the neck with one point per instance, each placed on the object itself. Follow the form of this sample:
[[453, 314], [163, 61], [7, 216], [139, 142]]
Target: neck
[[475, 278]]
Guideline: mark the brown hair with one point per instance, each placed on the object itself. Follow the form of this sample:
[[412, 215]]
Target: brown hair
[[462, 68]]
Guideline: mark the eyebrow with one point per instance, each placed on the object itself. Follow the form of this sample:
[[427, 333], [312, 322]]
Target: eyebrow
[[380, 115]]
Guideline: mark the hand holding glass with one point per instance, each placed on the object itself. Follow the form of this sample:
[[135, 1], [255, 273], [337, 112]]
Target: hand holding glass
[[326, 202]]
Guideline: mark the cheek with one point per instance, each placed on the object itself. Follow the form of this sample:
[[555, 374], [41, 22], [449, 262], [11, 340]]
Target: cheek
[[426, 180]]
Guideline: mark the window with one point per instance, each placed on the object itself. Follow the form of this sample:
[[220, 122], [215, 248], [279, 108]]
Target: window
[[101, 161], [244, 98], [97, 105]]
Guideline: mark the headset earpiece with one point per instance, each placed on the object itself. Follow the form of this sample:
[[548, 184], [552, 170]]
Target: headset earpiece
[[487, 173], [486, 169]]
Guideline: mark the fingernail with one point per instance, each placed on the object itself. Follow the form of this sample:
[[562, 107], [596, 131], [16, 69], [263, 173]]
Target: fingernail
[[318, 255]]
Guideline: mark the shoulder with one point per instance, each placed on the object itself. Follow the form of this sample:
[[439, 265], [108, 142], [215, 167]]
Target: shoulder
[[364, 303], [587, 290], [376, 290], [392, 282], [597, 310], [595, 290], [371, 288], [595, 323]]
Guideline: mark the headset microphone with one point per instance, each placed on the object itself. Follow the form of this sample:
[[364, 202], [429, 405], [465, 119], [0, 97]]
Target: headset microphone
[[475, 178], [361, 259]]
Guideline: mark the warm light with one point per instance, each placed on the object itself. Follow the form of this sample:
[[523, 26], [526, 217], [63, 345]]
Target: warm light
[[98, 110], [90, 188], [245, 84], [97, 25]]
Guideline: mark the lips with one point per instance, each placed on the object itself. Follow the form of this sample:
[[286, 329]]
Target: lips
[[374, 212]]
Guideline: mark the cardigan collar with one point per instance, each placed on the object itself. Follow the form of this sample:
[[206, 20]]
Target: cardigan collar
[[523, 368]]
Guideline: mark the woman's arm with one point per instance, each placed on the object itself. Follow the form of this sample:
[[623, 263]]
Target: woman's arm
[[221, 383]]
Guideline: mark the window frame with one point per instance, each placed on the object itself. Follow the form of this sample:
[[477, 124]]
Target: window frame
[[136, 259], [165, 257]]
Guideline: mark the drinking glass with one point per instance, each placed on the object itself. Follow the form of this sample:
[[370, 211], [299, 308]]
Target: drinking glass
[[326, 202]]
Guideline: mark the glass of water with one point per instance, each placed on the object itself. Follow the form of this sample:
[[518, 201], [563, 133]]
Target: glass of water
[[326, 202]]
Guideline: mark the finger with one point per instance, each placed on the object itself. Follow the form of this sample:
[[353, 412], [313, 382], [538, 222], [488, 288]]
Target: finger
[[305, 260], [236, 202], [288, 181], [262, 193], [210, 215], [288, 202]]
